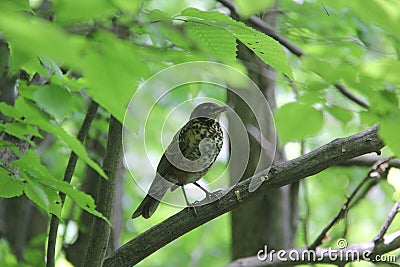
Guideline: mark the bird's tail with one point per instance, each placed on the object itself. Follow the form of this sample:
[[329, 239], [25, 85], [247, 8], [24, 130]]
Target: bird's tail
[[157, 190], [147, 207]]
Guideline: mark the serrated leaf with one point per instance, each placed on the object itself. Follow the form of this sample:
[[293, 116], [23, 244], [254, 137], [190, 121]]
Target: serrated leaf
[[9, 186], [295, 121], [266, 48], [219, 42]]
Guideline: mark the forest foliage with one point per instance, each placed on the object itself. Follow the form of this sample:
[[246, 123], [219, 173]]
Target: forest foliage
[[104, 50]]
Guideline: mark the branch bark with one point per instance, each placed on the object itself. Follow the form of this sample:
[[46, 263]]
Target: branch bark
[[100, 231], [288, 172]]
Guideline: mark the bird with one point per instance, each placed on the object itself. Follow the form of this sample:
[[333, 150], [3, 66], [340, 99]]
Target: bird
[[189, 156]]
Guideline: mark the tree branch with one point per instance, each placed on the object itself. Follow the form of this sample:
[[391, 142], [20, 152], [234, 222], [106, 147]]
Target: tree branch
[[363, 251], [69, 171], [338, 150], [388, 222], [350, 96], [101, 230], [378, 168]]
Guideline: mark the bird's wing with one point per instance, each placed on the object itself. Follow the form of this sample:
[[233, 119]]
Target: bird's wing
[[174, 152]]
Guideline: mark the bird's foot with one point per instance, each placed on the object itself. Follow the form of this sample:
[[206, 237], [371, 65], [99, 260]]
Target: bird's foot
[[192, 206]]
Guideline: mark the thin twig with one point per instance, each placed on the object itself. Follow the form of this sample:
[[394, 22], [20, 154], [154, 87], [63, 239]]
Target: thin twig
[[69, 171], [388, 222], [350, 96], [365, 190], [376, 172], [339, 216], [306, 217]]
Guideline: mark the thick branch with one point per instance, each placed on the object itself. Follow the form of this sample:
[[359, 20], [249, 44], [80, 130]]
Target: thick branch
[[363, 251], [100, 231], [339, 150]]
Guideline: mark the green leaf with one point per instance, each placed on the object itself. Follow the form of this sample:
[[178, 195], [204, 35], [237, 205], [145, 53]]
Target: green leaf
[[44, 197], [295, 121], [34, 116], [76, 11], [389, 130], [158, 15], [9, 111], [37, 37], [84, 201], [112, 71], [9, 186], [266, 48], [340, 114], [326, 69], [54, 99], [22, 131], [37, 173], [209, 39]]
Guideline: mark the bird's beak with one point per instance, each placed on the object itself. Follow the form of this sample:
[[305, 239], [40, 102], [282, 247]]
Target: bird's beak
[[220, 110]]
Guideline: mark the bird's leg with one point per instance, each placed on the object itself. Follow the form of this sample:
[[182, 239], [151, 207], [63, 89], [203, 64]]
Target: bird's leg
[[187, 201], [209, 195]]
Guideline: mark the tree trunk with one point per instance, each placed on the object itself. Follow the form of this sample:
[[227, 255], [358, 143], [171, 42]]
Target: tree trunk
[[269, 220]]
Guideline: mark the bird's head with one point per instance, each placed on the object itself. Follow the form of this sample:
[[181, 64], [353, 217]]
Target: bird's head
[[207, 110]]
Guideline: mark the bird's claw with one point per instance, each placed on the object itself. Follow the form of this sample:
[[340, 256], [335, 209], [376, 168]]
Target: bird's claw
[[192, 206]]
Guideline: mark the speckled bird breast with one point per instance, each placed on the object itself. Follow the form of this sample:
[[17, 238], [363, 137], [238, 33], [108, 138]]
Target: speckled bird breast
[[201, 141]]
